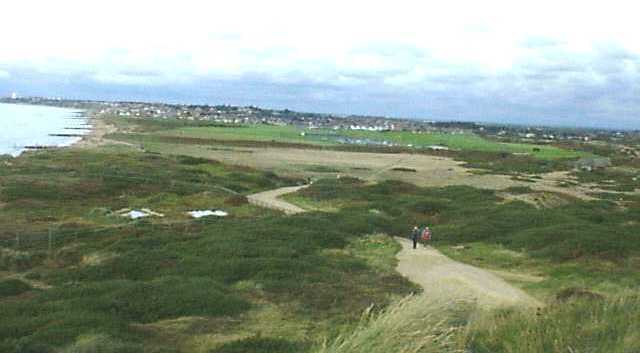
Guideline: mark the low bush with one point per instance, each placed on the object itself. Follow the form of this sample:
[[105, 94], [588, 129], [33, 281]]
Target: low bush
[[11, 287]]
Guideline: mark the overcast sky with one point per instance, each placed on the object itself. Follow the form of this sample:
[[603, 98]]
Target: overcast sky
[[553, 62]]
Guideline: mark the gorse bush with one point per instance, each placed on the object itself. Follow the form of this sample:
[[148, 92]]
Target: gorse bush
[[580, 229], [11, 287]]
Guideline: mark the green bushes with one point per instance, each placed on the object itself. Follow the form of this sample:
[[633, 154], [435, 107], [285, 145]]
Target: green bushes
[[13, 260], [189, 160], [169, 297], [327, 189], [581, 229], [159, 273], [518, 190], [11, 287]]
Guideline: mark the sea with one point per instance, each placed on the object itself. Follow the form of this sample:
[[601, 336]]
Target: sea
[[22, 126]]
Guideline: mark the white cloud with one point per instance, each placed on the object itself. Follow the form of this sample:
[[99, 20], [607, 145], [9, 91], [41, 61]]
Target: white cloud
[[484, 48], [279, 37], [4, 74]]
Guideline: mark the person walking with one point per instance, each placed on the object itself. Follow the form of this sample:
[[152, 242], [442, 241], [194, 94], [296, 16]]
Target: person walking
[[426, 236], [415, 235]]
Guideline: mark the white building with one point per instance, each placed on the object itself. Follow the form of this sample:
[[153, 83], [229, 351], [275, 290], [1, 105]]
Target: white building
[[14, 95]]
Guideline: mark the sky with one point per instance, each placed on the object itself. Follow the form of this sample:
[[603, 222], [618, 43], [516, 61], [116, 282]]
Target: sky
[[568, 63]]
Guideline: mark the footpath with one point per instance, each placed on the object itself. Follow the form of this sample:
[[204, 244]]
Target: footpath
[[441, 276]]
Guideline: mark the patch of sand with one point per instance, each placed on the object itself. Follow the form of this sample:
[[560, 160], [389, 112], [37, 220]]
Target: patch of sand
[[96, 258]]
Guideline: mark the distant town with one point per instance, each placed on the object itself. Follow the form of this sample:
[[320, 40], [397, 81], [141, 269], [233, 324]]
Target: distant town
[[227, 114]]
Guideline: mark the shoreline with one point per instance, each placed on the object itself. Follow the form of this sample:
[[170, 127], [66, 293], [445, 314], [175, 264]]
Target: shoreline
[[74, 124]]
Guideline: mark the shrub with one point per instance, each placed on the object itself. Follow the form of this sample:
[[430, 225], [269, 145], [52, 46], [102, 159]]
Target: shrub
[[11, 287], [188, 160], [519, 190], [236, 200]]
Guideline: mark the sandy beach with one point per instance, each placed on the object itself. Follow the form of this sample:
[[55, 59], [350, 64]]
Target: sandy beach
[[96, 137]]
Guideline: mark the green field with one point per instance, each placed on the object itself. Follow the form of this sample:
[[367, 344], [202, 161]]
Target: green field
[[292, 134], [465, 142]]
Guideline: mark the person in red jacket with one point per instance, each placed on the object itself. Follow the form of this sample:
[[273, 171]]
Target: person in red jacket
[[426, 235]]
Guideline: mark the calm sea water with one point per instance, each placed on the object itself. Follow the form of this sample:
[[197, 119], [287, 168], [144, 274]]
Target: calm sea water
[[30, 125]]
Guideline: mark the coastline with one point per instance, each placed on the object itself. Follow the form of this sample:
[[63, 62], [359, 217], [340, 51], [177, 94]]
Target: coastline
[[39, 127], [94, 137], [93, 131]]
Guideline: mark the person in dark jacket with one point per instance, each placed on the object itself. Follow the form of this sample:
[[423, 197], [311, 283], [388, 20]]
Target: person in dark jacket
[[415, 236]]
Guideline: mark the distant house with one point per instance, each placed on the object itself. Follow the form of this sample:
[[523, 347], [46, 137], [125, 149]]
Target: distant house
[[592, 163]]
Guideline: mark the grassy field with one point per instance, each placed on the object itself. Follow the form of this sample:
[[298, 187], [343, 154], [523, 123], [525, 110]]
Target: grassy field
[[465, 142], [294, 135]]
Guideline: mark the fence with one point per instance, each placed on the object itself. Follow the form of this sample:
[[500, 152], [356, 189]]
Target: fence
[[57, 237]]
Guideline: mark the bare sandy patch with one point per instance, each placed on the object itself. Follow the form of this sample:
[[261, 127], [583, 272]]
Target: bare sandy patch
[[97, 258]]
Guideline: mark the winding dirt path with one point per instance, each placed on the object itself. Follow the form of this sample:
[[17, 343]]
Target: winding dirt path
[[437, 274], [444, 277], [270, 199]]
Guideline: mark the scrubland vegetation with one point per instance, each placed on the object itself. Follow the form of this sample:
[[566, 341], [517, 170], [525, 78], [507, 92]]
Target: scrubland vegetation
[[577, 258], [433, 325], [126, 285], [77, 277]]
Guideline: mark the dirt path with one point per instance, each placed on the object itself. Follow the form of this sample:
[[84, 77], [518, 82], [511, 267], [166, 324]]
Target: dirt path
[[441, 276], [270, 199]]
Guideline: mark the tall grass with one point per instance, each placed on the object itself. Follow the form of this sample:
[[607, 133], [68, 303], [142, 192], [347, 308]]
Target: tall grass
[[414, 324], [579, 325], [426, 324]]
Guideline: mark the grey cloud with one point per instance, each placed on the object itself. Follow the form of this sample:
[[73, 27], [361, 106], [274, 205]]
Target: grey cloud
[[554, 86]]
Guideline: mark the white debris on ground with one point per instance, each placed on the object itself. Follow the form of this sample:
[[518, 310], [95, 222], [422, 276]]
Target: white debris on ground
[[207, 213], [136, 214]]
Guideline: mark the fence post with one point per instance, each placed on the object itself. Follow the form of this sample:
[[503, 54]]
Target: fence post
[[50, 241]]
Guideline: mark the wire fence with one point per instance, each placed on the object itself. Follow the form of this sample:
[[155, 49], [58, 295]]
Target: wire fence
[[55, 237]]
